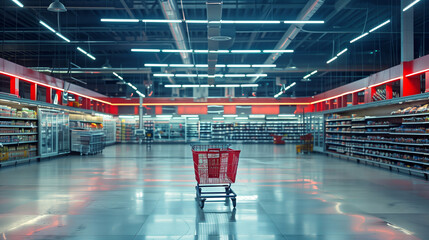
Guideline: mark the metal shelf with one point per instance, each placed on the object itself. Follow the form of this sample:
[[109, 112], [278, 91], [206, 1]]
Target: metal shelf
[[17, 126], [14, 143], [17, 134], [340, 119], [333, 126], [414, 123], [18, 118], [398, 150]]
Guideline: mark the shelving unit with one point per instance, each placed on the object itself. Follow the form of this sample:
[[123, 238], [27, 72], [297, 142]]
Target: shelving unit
[[205, 129], [191, 130], [18, 135], [384, 140]]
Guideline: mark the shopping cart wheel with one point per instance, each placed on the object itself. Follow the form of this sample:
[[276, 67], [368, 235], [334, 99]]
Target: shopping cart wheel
[[234, 202], [203, 200]]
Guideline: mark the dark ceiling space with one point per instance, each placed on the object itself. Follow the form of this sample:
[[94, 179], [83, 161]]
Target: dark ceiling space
[[25, 41]]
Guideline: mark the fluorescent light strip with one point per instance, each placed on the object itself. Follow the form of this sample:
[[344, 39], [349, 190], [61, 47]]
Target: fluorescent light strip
[[161, 21], [172, 86], [235, 75], [155, 65], [257, 116], [164, 116], [249, 85], [145, 50], [190, 85], [228, 85], [181, 65], [242, 118], [220, 65], [313, 72], [249, 22], [218, 118], [264, 65], [119, 20], [256, 75], [83, 51], [47, 26], [238, 65], [87, 54], [163, 75], [307, 76], [361, 36], [206, 85], [185, 75], [343, 51], [177, 50], [410, 5], [229, 115], [61, 36], [303, 22], [286, 115], [201, 65], [18, 3], [379, 26], [219, 51], [245, 51], [278, 51], [190, 116], [114, 73], [331, 60], [201, 51]]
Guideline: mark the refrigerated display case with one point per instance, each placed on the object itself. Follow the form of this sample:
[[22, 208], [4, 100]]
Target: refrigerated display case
[[54, 132], [109, 127], [48, 133], [315, 125], [63, 132]]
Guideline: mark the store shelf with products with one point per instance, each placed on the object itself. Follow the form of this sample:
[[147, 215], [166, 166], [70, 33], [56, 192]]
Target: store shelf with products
[[18, 134], [192, 131], [397, 141], [205, 130]]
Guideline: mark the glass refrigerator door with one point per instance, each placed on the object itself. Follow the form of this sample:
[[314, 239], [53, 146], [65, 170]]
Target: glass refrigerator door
[[48, 133]]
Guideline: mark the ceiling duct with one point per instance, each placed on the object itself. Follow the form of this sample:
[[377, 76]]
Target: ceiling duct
[[171, 11], [214, 36], [306, 13]]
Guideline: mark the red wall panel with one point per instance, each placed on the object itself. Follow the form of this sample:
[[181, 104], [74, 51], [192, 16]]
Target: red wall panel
[[265, 109], [185, 110]]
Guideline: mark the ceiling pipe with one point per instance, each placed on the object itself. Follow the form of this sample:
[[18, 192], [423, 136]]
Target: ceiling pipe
[[306, 13], [171, 11]]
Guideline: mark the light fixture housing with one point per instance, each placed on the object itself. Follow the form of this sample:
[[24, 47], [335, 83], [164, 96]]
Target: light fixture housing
[[57, 6]]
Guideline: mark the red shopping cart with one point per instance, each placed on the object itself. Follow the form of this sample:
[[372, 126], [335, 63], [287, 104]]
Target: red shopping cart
[[215, 166]]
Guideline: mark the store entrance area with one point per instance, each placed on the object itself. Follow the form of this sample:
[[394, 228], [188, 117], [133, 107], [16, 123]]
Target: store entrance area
[[132, 192]]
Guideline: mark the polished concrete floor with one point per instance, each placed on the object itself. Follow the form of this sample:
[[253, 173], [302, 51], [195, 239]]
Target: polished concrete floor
[[129, 192]]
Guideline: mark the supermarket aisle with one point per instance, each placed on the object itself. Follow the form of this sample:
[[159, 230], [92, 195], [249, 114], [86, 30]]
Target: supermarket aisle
[[131, 193]]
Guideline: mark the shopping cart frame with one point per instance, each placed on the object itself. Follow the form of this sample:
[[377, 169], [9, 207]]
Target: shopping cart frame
[[203, 196]]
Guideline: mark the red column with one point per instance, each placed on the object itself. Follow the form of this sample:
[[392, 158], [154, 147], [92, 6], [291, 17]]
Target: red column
[[107, 108], [229, 109], [33, 91], [59, 96], [88, 103], [48, 95], [389, 91], [331, 104], [427, 82], [114, 110], [355, 100], [158, 110], [409, 85], [340, 102], [344, 100], [14, 86]]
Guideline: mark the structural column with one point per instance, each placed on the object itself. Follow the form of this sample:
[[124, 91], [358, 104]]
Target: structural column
[[331, 104], [409, 86], [48, 94], [344, 100], [389, 91], [340, 102], [59, 97], [355, 98], [33, 91], [14, 86]]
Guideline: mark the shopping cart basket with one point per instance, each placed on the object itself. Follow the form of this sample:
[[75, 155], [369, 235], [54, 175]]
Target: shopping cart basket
[[215, 166]]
